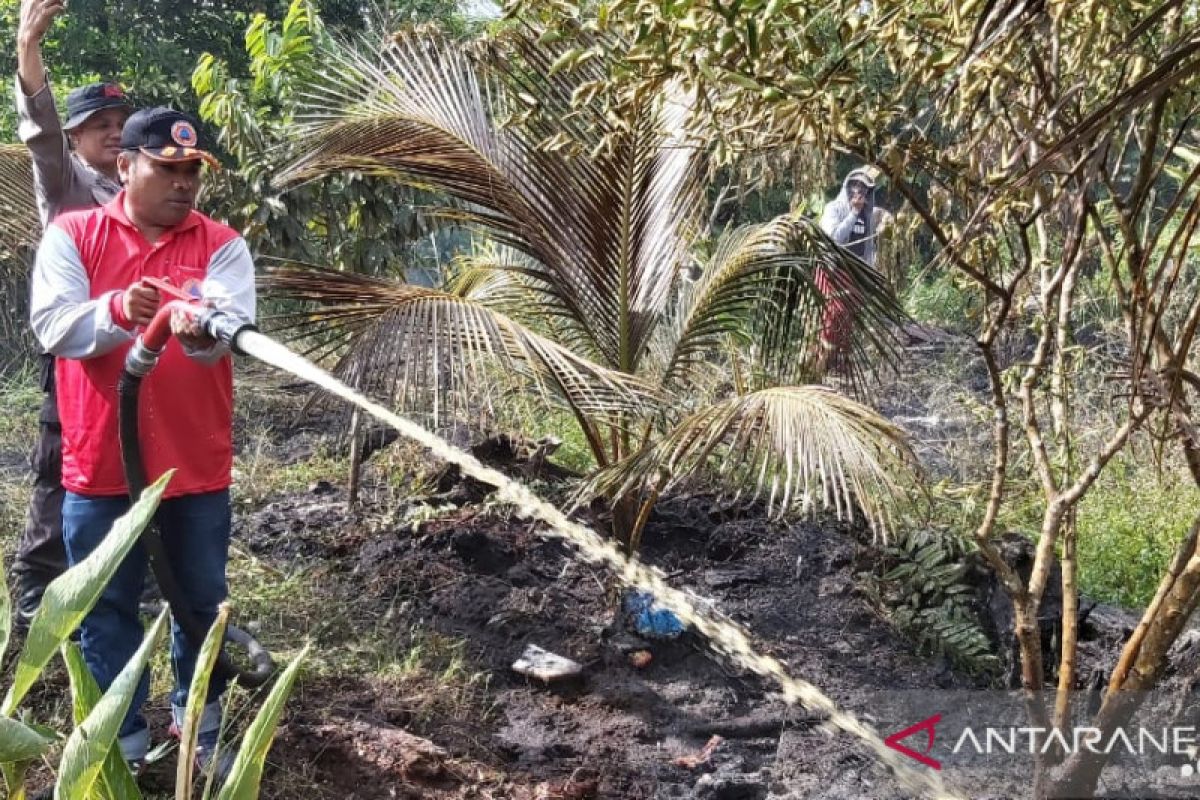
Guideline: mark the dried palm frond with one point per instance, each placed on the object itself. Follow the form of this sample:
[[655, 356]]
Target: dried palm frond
[[802, 447], [501, 279], [20, 228], [420, 347]]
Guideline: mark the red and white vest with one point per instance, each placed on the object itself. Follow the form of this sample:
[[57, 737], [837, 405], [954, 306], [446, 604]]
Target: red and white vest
[[186, 407]]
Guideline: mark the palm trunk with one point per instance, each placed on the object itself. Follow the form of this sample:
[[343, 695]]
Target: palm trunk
[[355, 458], [624, 520]]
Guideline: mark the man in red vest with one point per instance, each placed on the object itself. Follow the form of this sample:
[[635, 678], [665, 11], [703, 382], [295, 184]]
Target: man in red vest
[[87, 300]]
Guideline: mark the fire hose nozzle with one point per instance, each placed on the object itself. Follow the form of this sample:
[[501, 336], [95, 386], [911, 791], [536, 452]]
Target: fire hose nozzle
[[224, 327], [150, 344]]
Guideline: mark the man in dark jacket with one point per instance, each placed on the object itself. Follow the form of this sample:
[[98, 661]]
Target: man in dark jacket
[[74, 166]]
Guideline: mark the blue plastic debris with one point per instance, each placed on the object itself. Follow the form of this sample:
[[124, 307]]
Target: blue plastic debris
[[650, 619]]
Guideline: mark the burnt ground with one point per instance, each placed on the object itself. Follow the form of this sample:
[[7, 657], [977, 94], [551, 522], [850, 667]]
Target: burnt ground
[[620, 731]]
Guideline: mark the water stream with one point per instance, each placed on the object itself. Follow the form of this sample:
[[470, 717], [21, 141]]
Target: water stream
[[725, 636]]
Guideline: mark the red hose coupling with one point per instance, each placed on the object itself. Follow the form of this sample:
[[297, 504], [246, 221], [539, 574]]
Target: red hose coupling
[[150, 343]]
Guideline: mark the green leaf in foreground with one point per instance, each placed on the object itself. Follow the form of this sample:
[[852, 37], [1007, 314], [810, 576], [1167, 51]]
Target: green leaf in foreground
[[14, 778], [19, 742], [246, 774], [89, 744], [117, 780], [197, 695], [71, 595]]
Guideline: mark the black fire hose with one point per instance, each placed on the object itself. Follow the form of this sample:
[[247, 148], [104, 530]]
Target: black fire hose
[[141, 359]]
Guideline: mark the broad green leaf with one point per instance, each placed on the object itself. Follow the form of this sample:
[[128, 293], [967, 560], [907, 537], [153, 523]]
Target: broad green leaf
[[246, 774], [19, 742], [71, 595], [197, 695], [90, 743], [116, 780]]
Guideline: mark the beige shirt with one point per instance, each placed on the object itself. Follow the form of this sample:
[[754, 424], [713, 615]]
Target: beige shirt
[[61, 181]]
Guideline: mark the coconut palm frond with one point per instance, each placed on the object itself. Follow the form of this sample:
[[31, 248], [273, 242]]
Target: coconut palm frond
[[773, 284], [799, 446], [605, 231], [502, 279], [416, 346], [486, 278], [19, 224]]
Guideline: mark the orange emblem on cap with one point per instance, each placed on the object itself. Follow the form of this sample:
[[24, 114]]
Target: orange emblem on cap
[[183, 133]]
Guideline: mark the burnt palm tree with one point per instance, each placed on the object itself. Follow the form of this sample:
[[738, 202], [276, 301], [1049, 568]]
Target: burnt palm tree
[[595, 221]]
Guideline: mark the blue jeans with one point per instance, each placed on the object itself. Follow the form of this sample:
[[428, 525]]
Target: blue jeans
[[195, 532]]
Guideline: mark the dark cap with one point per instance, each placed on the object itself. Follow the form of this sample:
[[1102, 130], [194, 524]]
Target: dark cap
[[87, 100], [165, 134]]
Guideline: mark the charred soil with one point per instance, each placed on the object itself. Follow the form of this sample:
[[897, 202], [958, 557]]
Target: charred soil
[[645, 718]]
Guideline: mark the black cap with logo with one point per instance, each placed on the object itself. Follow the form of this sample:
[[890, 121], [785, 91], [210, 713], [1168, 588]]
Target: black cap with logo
[[87, 100], [165, 134]]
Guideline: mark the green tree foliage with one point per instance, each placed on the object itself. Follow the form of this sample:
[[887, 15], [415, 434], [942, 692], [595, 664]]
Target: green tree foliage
[[237, 65], [356, 222], [148, 46], [152, 46]]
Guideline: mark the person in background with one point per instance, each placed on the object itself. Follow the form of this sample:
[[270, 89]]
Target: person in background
[[74, 166], [853, 221]]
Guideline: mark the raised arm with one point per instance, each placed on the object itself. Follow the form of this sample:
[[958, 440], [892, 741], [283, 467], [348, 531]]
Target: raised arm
[[38, 124], [36, 16]]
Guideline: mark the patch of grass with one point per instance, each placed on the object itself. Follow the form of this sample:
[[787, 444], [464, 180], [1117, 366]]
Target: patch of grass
[[21, 399], [1129, 526], [432, 672], [939, 300], [574, 453], [14, 501], [259, 475], [355, 635], [21, 396]]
